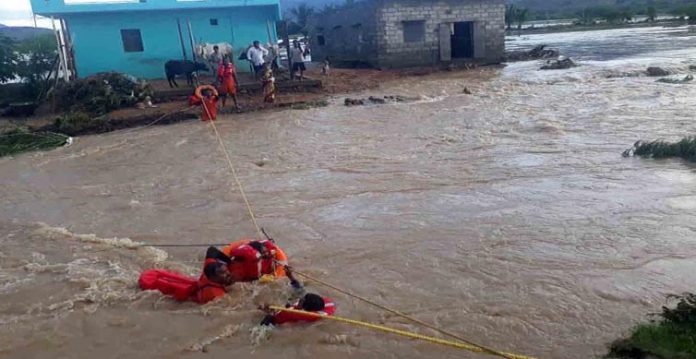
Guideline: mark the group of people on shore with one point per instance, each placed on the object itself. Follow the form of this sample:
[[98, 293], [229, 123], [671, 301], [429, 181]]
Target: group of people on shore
[[241, 261]]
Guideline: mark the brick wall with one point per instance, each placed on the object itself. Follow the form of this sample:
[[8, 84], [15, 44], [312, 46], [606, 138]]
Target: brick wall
[[349, 34], [379, 40], [488, 15]]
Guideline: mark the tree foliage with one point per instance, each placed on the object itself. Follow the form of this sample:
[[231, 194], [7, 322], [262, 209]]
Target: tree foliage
[[8, 59], [302, 13], [37, 58], [515, 16]]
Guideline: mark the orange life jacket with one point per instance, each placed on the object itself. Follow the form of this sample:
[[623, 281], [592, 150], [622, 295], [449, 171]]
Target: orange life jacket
[[287, 317]]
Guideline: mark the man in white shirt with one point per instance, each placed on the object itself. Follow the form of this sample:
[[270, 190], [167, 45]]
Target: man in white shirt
[[257, 55]]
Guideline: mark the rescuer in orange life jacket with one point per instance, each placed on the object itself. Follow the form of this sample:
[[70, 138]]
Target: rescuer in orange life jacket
[[252, 260], [309, 303], [213, 280]]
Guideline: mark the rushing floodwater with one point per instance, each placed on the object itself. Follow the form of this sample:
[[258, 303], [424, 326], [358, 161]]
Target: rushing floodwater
[[508, 216]]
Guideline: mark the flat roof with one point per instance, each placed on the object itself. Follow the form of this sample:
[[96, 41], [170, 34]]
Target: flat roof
[[59, 7]]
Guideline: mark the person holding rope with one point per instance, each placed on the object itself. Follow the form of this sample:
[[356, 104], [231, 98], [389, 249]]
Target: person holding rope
[[207, 97], [311, 302], [251, 260]]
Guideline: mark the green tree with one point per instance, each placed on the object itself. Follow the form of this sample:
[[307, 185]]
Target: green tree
[[8, 59], [652, 14], [521, 17], [37, 57], [510, 12], [302, 13]]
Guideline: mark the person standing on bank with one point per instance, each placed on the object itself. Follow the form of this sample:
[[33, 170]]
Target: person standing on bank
[[257, 55], [297, 57]]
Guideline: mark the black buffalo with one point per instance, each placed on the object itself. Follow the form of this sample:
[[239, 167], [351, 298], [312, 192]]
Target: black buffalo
[[185, 67]]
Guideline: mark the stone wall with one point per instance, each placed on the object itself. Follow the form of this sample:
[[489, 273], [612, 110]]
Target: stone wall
[[372, 31], [349, 35], [488, 16]]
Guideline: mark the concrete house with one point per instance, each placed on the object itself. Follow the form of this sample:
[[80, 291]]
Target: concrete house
[[402, 33], [138, 36]]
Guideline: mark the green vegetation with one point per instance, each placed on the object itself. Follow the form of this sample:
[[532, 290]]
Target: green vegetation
[[30, 61], [686, 11], [686, 149], [21, 140], [515, 15], [673, 336], [8, 59]]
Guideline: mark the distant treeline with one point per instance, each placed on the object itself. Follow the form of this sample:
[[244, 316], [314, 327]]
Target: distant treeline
[[605, 9]]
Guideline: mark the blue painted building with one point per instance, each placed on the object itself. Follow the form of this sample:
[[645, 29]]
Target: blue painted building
[[138, 36]]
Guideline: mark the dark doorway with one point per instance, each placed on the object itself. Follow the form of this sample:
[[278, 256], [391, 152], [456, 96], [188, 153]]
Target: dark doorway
[[463, 40]]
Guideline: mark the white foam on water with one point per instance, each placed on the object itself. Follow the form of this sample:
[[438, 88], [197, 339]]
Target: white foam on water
[[154, 254]]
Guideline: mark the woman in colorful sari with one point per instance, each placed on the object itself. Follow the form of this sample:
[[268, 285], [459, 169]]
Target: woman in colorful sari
[[268, 81]]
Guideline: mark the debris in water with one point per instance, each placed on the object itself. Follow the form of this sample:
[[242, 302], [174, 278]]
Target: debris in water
[[539, 52], [22, 140], [378, 100], [561, 64], [686, 79], [467, 91], [654, 71], [686, 149]]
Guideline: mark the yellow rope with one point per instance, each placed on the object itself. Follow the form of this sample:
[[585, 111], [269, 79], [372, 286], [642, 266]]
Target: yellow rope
[[234, 173], [459, 345], [408, 317], [464, 343]]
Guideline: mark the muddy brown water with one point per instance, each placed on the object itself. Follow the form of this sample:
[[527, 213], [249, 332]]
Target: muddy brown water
[[507, 216]]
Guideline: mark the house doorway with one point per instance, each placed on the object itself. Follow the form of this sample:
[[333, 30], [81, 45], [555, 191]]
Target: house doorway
[[463, 40]]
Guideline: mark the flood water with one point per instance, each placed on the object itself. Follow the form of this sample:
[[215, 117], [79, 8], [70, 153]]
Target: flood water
[[508, 216]]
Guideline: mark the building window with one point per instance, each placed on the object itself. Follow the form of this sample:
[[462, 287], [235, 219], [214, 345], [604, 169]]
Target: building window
[[132, 40], [214, 22], [414, 31], [321, 40]]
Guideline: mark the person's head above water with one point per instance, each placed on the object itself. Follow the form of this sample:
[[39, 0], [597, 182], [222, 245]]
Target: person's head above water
[[312, 302], [257, 44], [216, 48], [218, 273]]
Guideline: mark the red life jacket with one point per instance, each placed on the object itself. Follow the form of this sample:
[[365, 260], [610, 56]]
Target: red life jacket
[[248, 265], [181, 287], [287, 317], [174, 284]]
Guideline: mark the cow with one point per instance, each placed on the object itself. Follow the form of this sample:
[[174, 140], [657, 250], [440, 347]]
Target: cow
[[182, 67]]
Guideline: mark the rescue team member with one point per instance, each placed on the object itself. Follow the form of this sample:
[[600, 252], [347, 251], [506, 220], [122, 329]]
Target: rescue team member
[[309, 303], [209, 97], [211, 284], [227, 77], [252, 260]]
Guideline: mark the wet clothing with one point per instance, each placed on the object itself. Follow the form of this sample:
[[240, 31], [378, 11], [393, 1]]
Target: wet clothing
[[207, 290]]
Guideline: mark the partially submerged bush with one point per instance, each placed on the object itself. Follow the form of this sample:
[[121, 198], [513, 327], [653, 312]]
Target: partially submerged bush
[[686, 149], [75, 123], [22, 140], [673, 336], [101, 93]]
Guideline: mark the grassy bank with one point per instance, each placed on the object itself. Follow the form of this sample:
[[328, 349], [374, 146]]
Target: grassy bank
[[686, 149], [671, 336]]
